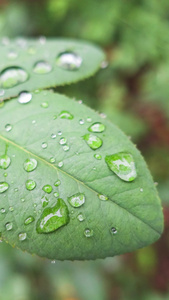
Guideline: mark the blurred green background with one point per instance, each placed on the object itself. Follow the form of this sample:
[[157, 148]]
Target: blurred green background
[[133, 91]]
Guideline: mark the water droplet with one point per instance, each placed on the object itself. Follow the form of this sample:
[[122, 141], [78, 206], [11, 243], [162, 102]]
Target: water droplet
[[47, 188], [30, 184], [45, 201], [53, 261], [29, 220], [104, 64], [52, 160], [113, 230], [62, 141], [3, 210], [22, 200], [4, 161], [12, 54], [59, 132], [53, 218], [53, 136], [141, 190], [66, 115], [66, 148], [122, 164], [11, 209], [30, 164], [42, 67], [80, 101], [103, 197], [12, 76], [56, 194], [33, 122], [88, 233], [45, 104], [57, 183], [93, 141], [60, 164], [8, 127], [89, 120], [69, 61], [8, 226], [77, 200], [98, 156], [44, 145], [81, 121], [5, 174], [3, 187], [24, 97], [16, 189], [80, 217], [97, 127], [22, 236]]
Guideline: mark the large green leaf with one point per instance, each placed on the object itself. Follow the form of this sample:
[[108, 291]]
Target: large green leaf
[[40, 66], [115, 213]]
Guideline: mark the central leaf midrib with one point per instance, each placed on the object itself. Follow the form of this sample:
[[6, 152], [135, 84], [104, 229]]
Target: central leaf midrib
[[74, 178]]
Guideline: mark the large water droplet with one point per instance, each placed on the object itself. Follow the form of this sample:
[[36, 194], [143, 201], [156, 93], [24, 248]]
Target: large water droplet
[[12, 76], [4, 161], [30, 164], [47, 188], [93, 141], [53, 218], [42, 67], [3, 187], [8, 127], [45, 201], [88, 233], [22, 236], [8, 226], [122, 164], [24, 97], [69, 61], [30, 184], [97, 127], [66, 115], [77, 200], [29, 220]]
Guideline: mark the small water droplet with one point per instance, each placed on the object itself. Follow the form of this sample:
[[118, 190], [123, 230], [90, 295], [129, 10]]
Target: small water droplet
[[42, 40], [5, 174], [30, 164], [8, 226], [97, 127], [44, 145], [33, 122], [60, 164], [104, 64], [29, 220], [30, 184], [42, 67], [45, 104], [122, 164], [69, 61], [45, 201], [113, 230], [93, 141], [12, 54], [88, 233], [57, 183], [141, 190], [66, 148], [81, 121], [3, 187], [11, 209], [80, 101], [59, 132], [62, 141], [66, 115], [24, 97], [98, 156], [16, 190], [80, 217], [3, 210], [53, 218], [89, 120], [47, 188], [2, 92], [4, 161], [56, 194], [12, 76], [53, 261], [22, 236], [77, 200], [53, 136], [8, 127], [103, 197], [22, 200], [52, 160]]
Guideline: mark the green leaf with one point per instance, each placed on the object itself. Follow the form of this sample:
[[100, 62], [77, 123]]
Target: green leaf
[[27, 65], [101, 213]]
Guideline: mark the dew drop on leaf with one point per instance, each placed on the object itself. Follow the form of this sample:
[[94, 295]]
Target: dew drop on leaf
[[12, 76], [59, 132], [66, 115], [60, 164], [93, 141], [8, 226], [42, 67], [56, 194], [3, 210], [62, 141], [88, 233], [8, 127], [97, 127], [3, 187], [45, 104], [103, 197], [29, 220], [30, 164], [113, 230], [11, 209], [53, 136], [12, 54], [5, 174], [80, 217], [69, 61], [24, 97], [52, 160], [81, 121], [77, 200], [22, 236], [4, 161], [45, 201], [47, 188], [53, 218], [98, 156], [122, 164], [57, 183], [66, 148], [44, 145], [30, 184]]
